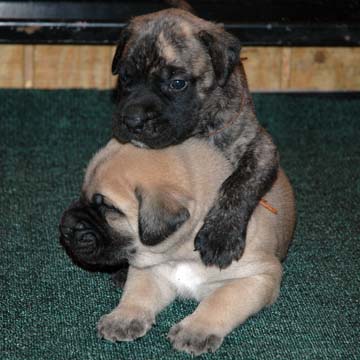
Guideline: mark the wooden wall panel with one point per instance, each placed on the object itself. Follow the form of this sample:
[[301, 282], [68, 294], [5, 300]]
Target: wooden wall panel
[[11, 66], [325, 68], [263, 67], [72, 66], [268, 68]]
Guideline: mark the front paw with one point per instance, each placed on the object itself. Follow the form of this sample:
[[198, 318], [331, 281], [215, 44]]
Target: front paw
[[119, 326], [193, 340], [220, 241]]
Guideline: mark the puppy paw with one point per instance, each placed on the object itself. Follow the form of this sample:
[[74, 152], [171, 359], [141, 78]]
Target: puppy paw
[[193, 340], [219, 242], [118, 326]]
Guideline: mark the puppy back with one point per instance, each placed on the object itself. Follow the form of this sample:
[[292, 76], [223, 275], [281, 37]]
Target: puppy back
[[195, 166]]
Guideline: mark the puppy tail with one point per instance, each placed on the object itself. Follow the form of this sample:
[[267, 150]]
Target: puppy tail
[[181, 4]]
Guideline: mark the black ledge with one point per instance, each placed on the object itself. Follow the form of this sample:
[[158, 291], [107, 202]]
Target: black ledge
[[255, 22]]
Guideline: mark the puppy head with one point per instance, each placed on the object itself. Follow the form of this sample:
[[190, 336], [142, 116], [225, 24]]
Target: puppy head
[[117, 217], [89, 239], [169, 63]]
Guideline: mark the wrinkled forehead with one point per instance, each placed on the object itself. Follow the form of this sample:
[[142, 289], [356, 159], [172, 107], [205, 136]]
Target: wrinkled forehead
[[118, 190], [160, 43]]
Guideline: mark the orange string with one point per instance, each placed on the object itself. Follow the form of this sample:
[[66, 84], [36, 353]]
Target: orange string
[[267, 206]]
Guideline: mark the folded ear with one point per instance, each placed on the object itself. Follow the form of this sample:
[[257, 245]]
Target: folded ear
[[224, 51], [124, 37], [161, 213]]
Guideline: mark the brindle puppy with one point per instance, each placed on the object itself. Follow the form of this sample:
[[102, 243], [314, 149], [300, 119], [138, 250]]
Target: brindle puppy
[[181, 77], [147, 206]]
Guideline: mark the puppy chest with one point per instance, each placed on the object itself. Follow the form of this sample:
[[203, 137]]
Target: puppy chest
[[187, 278]]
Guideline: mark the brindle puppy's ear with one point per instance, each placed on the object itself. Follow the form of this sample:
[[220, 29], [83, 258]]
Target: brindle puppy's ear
[[224, 51], [181, 4], [161, 213], [124, 37]]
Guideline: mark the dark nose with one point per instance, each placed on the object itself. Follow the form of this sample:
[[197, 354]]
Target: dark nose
[[134, 118], [77, 232]]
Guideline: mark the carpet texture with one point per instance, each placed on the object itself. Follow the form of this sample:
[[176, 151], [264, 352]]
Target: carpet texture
[[49, 307]]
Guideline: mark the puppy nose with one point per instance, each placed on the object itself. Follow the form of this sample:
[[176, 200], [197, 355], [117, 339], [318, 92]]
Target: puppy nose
[[75, 232], [71, 226], [134, 118]]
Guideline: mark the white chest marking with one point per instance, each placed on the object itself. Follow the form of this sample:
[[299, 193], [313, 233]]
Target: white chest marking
[[186, 279], [139, 144]]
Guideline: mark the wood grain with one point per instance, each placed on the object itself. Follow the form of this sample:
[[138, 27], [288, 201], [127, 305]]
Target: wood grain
[[11, 68], [285, 75], [325, 69], [72, 67], [263, 67], [268, 68], [28, 66]]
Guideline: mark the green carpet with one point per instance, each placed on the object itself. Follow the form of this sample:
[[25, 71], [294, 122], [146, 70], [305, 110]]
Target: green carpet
[[49, 307]]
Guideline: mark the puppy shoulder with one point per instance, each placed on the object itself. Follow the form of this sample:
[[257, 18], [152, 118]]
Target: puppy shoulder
[[206, 157]]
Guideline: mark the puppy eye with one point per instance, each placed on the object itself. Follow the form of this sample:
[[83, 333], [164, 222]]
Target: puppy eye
[[124, 77], [99, 202], [178, 84]]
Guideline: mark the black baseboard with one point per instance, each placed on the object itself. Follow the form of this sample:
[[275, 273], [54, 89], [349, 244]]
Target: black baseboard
[[255, 22]]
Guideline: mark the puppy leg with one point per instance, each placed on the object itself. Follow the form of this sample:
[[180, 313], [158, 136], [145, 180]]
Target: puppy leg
[[238, 197], [222, 311], [143, 298]]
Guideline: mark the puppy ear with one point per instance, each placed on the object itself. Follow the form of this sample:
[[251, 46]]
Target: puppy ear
[[161, 213], [181, 4], [224, 51], [124, 37]]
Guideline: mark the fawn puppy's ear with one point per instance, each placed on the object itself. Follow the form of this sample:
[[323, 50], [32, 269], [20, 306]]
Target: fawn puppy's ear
[[161, 213]]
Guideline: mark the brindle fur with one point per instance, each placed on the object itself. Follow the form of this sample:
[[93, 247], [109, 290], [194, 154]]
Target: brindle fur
[[157, 48]]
